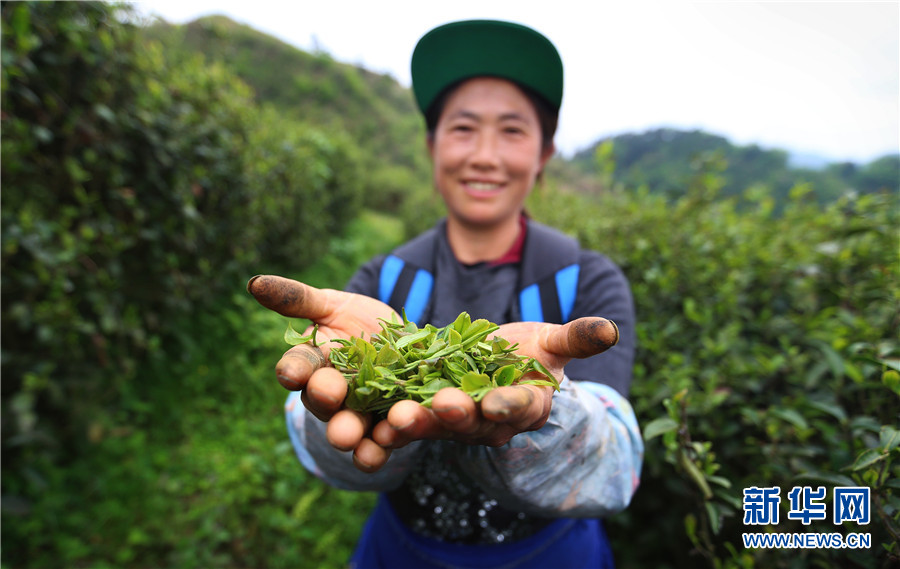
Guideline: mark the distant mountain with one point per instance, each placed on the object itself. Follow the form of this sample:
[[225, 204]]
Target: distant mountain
[[809, 161], [667, 160]]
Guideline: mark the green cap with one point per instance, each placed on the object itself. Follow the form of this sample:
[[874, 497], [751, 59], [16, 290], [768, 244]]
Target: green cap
[[478, 48]]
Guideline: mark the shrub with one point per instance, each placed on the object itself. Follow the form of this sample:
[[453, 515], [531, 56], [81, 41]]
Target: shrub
[[767, 350], [137, 190]]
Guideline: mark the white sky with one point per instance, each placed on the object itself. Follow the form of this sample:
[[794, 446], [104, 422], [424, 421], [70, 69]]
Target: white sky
[[808, 77]]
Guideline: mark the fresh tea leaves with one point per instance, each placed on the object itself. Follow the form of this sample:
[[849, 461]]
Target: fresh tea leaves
[[404, 361]]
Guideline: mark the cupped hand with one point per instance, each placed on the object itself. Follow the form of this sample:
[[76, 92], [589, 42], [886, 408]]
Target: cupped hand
[[500, 415], [339, 315]]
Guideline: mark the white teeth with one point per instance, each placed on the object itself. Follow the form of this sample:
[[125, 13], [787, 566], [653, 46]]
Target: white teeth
[[483, 186]]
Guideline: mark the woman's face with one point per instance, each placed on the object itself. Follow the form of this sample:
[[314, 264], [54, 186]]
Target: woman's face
[[486, 151]]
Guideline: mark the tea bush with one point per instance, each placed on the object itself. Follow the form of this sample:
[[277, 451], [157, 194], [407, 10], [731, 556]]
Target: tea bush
[[194, 468], [768, 351], [136, 190]]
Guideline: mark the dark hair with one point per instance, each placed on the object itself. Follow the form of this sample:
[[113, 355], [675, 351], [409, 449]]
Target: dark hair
[[547, 118]]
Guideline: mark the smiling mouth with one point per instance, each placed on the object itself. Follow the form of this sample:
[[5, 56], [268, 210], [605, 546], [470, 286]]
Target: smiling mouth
[[483, 186]]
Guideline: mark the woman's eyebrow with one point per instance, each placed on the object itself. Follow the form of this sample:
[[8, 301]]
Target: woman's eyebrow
[[463, 113]]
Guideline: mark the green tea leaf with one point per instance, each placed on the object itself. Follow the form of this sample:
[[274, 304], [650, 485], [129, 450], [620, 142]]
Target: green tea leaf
[[479, 394], [413, 338], [506, 375], [829, 477], [294, 338], [462, 323], [387, 355], [539, 367], [866, 459], [889, 438], [472, 381], [659, 426]]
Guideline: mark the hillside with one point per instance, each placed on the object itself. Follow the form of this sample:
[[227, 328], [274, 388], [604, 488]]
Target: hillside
[[372, 110]]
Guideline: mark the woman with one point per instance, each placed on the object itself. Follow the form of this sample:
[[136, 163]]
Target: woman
[[521, 478]]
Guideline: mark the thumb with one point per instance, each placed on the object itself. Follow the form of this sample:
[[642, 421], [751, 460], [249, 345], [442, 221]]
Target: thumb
[[289, 297], [581, 338]]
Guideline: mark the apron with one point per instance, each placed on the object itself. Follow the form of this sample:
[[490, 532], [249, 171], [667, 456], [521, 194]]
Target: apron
[[564, 544]]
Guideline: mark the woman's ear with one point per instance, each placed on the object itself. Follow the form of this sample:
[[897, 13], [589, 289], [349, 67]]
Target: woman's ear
[[429, 143]]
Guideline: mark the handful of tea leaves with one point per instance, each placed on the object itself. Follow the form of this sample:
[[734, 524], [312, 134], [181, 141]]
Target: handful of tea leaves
[[406, 362]]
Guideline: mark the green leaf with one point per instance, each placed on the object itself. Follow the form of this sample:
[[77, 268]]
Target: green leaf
[[506, 375], [695, 474], [433, 386], [472, 381], [479, 394], [832, 409], [866, 459], [829, 477], [720, 480], [865, 423], [889, 437], [540, 383], [366, 373], [294, 338], [659, 426], [791, 416], [539, 367], [715, 520], [413, 338], [891, 380], [387, 355]]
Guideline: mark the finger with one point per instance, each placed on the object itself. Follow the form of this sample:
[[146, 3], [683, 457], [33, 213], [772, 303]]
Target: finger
[[369, 456], [580, 338], [297, 365], [325, 392], [387, 436], [510, 404], [289, 297], [346, 429], [414, 421], [456, 410]]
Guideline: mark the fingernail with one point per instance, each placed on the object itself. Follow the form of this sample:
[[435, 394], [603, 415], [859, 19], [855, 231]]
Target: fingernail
[[331, 399], [453, 414], [362, 465], [288, 383], [250, 283], [502, 412], [404, 426]]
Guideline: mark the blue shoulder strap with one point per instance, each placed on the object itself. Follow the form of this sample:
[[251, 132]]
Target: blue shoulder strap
[[550, 271], [405, 287], [552, 299]]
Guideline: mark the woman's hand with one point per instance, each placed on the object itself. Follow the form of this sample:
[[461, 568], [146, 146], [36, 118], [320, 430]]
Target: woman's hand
[[501, 414], [305, 367]]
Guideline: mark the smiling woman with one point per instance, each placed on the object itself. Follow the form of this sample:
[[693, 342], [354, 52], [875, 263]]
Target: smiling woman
[[457, 479]]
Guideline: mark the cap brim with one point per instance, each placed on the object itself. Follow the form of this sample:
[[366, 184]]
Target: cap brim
[[475, 48]]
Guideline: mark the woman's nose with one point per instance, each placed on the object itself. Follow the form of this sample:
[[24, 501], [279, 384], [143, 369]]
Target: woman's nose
[[486, 151]]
